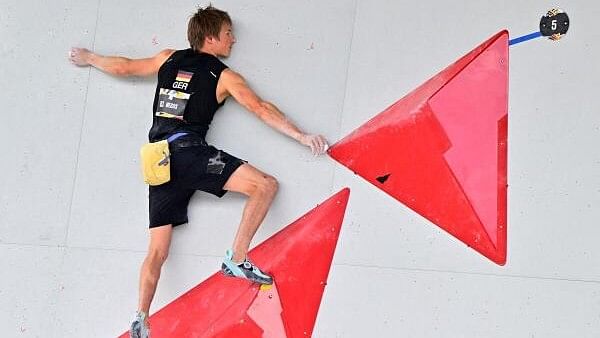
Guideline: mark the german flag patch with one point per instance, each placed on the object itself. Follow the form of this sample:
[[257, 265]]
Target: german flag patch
[[183, 76]]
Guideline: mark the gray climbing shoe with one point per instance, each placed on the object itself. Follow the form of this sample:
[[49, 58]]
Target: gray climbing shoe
[[245, 270], [139, 329]]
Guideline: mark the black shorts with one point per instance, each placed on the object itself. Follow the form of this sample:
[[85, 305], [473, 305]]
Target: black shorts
[[194, 166]]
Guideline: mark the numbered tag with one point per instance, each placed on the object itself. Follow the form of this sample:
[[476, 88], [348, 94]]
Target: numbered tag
[[171, 103], [554, 24]]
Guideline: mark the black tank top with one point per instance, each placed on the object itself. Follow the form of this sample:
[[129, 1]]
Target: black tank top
[[185, 98]]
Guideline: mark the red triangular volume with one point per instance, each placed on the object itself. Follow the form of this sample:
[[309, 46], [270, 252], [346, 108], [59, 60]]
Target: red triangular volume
[[441, 150], [298, 257]]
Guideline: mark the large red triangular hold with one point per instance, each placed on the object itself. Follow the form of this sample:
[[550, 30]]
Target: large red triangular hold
[[298, 257], [441, 149]]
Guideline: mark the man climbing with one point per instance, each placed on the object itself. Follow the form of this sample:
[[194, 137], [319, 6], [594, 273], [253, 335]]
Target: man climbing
[[192, 84]]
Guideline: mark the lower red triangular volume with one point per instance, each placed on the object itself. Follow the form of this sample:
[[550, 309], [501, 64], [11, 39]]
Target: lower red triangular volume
[[298, 257], [441, 150]]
